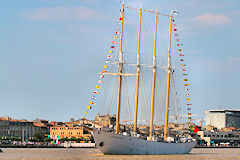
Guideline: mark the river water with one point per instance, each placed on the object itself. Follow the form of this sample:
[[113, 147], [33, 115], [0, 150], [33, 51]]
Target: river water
[[95, 154]]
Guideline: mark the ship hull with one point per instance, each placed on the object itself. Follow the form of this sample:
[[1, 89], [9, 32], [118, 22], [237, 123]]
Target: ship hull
[[116, 144]]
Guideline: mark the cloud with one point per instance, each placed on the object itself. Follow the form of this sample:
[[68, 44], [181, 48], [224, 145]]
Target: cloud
[[208, 20], [63, 13], [234, 59]]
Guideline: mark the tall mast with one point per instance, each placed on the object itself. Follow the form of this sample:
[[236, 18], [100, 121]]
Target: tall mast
[[154, 78], [168, 80], [138, 71], [120, 68]]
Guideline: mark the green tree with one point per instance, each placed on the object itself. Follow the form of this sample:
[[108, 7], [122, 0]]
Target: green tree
[[39, 137]]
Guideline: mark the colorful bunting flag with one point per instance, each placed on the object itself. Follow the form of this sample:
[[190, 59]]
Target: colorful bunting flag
[[185, 79], [89, 107], [181, 60], [96, 92], [187, 89], [189, 109], [179, 45], [186, 84], [184, 70], [189, 104], [188, 99], [181, 55], [185, 74], [183, 65], [115, 41], [187, 94], [100, 81], [189, 114], [175, 29], [91, 103], [178, 39], [180, 50], [98, 87], [175, 12]]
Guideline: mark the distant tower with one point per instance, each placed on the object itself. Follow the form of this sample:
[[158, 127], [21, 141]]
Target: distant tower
[[71, 120]]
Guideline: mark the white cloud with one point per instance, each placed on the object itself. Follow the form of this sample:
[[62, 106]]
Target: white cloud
[[62, 13], [234, 59], [209, 20]]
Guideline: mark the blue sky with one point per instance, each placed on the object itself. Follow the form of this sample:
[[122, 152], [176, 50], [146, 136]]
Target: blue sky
[[51, 50]]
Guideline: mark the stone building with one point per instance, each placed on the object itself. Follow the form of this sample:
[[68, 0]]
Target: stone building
[[223, 118], [105, 120], [20, 128], [69, 132]]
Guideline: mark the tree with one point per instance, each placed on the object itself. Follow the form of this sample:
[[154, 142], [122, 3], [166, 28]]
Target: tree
[[38, 137]]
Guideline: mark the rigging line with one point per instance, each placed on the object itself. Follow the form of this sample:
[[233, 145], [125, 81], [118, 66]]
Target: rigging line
[[162, 96], [128, 108], [112, 97], [180, 102], [175, 98], [104, 97], [159, 99], [145, 10], [145, 97], [145, 33], [109, 107]]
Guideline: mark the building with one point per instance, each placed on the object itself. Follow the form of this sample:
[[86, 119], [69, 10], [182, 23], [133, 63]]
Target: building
[[217, 138], [223, 118], [105, 120], [20, 128], [69, 132]]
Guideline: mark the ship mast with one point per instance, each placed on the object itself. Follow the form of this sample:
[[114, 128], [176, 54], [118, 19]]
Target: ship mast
[[154, 78], [168, 80], [138, 71], [120, 68]]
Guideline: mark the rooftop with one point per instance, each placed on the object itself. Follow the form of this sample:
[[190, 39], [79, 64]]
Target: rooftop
[[224, 110]]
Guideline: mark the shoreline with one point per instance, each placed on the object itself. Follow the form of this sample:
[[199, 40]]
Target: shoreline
[[47, 146]]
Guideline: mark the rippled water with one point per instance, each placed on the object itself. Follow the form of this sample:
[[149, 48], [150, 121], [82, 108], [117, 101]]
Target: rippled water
[[95, 154]]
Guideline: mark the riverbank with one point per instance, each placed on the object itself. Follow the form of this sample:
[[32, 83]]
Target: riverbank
[[95, 154], [87, 145], [62, 145]]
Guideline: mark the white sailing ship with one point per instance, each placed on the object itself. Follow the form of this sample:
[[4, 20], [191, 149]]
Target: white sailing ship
[[132, 144]]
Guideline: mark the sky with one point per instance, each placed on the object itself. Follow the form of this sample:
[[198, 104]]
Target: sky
[[51, 50]]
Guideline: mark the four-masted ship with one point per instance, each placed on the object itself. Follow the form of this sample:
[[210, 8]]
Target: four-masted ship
[[117, 143]]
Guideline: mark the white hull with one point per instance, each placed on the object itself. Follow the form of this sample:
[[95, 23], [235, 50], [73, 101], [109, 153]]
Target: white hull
[[110, 143]]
